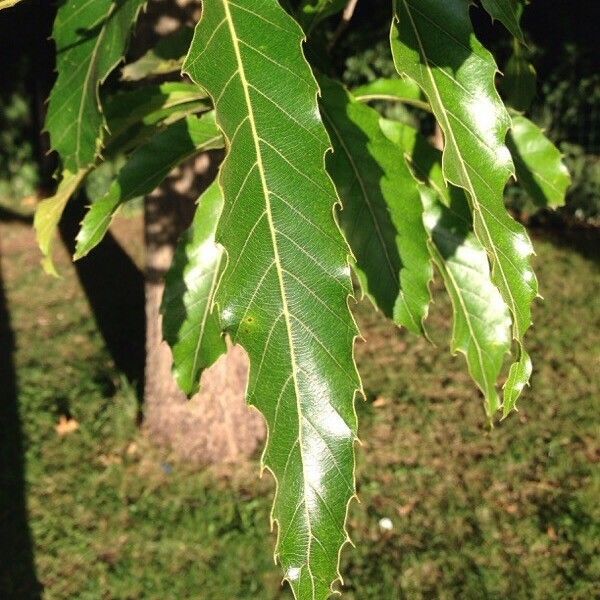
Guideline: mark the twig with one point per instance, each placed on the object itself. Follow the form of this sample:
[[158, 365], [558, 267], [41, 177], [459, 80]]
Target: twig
[[345, 21]]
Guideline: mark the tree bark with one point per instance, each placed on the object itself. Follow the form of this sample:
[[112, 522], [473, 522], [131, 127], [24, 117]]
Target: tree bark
[[215, 426]]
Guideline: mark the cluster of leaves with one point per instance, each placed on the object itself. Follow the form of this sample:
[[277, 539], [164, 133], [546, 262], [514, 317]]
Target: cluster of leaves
[[18, 173], [583, 197], [315, 186]]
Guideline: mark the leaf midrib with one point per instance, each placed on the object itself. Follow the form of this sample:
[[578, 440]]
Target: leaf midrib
[[207, 311], [467, 314], [470, 187], [272, 231], [86, 83]]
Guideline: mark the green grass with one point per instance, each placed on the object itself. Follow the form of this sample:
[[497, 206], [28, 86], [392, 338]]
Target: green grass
[[508, 513]]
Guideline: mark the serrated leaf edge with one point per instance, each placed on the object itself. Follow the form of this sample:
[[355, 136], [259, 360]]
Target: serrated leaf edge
[[104, 127], [518, 336], [360, 390], [211, 305]]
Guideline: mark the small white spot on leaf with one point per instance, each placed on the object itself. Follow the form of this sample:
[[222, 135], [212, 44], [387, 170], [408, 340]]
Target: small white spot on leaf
[[227, 316], [522, 245], [209, 252], [528, 276], [501, 334], [431, 220]]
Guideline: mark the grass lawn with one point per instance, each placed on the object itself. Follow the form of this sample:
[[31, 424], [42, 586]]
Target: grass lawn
[[511, 513]]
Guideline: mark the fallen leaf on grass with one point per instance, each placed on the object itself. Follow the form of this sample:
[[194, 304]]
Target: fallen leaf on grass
[[66, 425], [106, 460], [406, 509]]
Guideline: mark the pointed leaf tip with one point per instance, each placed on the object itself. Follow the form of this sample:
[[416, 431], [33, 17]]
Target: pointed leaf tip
[[382, 213], [48, 215], [190, 326], [458, 76]]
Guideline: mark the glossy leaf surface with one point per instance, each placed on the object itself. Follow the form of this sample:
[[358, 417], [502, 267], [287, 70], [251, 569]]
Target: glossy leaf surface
[[190, 326], [91, 38], [382, 215], [538, 162], [145, 170], [399, 90], [433, 43], [284, 293], [482, 323]]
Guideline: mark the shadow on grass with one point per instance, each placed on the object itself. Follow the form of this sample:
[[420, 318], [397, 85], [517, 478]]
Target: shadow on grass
[[114, 287], [18, 579], [576, 237]]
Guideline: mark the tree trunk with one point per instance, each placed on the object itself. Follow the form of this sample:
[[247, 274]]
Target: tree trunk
[[215, 426]]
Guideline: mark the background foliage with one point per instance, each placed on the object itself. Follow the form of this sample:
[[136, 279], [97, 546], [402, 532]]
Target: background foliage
[[561, 45]]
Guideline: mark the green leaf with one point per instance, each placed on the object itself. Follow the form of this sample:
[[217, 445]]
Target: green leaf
[[166, 57], [49, 212], [518, 378], [424, 160], [399, 90], [190, 326], [133, 116], [145, 170], [91, 38], [482, 323], [382, 216], [149, 104], [538, 162], [506, 11], [433, 43], [312, 12], [284, 293], [519, 84]]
